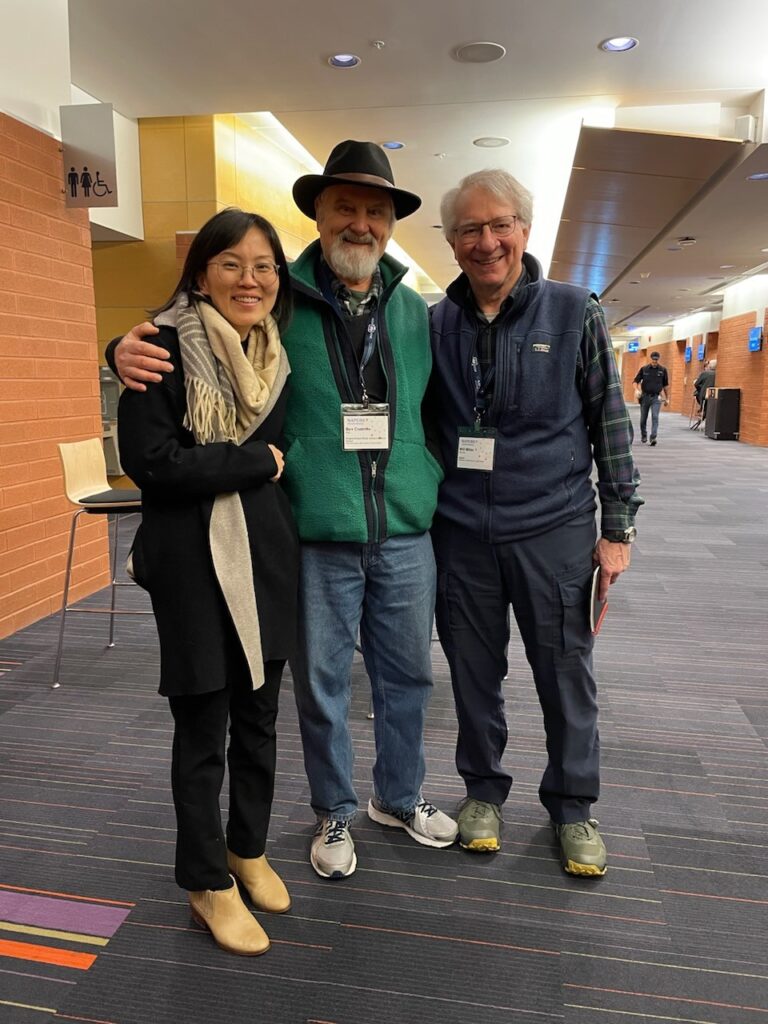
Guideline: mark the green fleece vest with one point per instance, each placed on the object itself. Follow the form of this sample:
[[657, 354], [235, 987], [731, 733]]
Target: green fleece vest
[[335, 496]]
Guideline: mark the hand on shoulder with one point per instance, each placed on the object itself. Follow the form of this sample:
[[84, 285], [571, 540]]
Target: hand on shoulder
[[139, 362]]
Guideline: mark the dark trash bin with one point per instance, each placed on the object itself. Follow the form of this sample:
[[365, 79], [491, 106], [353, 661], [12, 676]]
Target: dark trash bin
[[722, 422]]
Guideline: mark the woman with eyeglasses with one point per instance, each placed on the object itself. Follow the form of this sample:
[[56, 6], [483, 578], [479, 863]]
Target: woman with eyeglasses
[[218, 552]]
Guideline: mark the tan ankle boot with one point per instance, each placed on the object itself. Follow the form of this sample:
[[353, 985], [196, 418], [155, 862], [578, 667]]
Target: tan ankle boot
[[265, 887], [228, 919]]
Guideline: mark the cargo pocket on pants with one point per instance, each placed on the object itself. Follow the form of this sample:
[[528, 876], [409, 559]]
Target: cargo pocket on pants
[[574, 632]]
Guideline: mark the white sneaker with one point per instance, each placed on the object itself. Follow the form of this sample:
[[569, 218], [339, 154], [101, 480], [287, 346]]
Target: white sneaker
[[427, 825], [332, 853]]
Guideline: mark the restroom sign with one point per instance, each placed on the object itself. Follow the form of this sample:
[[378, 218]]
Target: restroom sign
[[88, 141]]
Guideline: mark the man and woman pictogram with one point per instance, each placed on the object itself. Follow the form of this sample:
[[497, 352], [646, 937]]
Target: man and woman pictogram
[[85, 181]]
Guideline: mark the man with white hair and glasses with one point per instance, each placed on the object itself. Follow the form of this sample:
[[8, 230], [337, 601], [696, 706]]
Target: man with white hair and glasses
[[527, 400]]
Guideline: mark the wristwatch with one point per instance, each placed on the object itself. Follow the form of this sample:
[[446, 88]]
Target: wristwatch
[[621, 536]]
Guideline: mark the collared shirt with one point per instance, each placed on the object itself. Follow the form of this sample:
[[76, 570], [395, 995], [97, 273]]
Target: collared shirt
[[609, 426], [357, 309], [355, 303]]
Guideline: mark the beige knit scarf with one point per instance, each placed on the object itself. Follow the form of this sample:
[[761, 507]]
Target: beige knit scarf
[[226, 386]]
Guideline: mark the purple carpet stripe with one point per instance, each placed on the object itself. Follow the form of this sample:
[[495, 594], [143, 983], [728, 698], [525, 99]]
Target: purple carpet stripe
[[64, 915]]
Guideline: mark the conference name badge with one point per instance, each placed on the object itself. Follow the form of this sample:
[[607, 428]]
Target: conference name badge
[[364, 427], [477, 448]]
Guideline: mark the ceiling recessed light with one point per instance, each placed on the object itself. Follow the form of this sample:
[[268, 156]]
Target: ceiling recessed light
[[764, 250], [479, 53], [619, 44], [393, 145], [344, 60], [759, 176], [490, 141], [686, 240], [727, 266]]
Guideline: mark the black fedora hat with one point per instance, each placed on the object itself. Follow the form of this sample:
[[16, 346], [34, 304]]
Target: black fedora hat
[[358, 163]]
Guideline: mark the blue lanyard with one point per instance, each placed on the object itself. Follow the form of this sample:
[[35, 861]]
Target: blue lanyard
[[368, 349], [482, 384]]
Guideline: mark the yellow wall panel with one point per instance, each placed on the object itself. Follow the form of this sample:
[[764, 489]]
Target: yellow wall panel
[[112, 321], [199, 213], [161, 220], [226, 170], [163, 170], [199, 159], [134, 273]]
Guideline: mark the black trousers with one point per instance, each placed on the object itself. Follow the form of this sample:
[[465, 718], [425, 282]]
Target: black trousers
[[546, 580], [197, 774]]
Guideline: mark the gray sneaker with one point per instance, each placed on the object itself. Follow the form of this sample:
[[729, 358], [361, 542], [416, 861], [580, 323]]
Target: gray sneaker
[[427, 825], [479, 826], [332, 853], [582, 851]]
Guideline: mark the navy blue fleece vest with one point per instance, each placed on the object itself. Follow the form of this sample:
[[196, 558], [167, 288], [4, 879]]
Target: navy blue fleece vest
[[541, 475]]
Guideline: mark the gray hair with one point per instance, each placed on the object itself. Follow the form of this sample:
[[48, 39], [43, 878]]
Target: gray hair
[[499, 184]]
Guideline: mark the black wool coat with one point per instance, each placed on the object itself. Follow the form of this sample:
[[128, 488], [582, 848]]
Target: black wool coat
[[179, 481]]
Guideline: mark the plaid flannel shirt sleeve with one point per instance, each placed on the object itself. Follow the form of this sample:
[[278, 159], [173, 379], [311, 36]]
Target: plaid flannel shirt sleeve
[[609, 426]]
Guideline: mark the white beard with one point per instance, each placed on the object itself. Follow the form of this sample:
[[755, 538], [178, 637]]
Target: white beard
[[353, 262]]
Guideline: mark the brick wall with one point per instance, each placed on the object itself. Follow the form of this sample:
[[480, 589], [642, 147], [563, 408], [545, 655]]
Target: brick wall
[[49, 389], [737, 367]]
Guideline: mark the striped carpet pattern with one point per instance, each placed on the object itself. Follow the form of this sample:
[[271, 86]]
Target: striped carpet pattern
[[93, 928]]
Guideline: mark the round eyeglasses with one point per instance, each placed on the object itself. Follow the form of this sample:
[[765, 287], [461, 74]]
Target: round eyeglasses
[[500, 228], [231, 271]]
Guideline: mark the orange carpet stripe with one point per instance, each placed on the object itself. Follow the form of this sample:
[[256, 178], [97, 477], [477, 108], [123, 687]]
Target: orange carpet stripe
[[672, 999], [709, 896], [562, 910], [451, 938], [88, 1020], [66, 895], [46, 954]]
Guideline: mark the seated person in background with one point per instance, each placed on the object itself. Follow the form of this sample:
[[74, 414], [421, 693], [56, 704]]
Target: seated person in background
[[702, 384], [218, 552]]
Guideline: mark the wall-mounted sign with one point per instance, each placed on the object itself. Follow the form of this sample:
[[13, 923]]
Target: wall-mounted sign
[[700, 351], [633, 346], [88, 142], [688, 353], [755, 339]]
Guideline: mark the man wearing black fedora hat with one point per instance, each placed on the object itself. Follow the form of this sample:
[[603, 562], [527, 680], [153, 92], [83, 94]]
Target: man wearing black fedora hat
[[363, 488]]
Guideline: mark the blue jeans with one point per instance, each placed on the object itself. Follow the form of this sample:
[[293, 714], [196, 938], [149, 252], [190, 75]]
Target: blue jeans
[[388, 592], [652, 402]]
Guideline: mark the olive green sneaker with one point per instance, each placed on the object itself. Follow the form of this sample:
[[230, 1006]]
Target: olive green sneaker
[[582, 851], [479, 826]]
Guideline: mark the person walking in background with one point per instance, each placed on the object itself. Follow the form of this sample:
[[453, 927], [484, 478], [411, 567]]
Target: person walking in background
[[653, 380], [527, 399], [363, 487], [218, 552]]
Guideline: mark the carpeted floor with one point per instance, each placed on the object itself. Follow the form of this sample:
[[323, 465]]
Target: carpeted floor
[[93, 928]]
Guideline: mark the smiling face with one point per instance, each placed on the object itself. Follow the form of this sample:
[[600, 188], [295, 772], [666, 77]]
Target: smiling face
[[492, 264], [242, 299], [355, 223]]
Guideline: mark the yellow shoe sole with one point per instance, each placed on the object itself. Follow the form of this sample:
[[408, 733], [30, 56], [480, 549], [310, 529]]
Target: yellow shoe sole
[[489, 845], [572, 867]]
